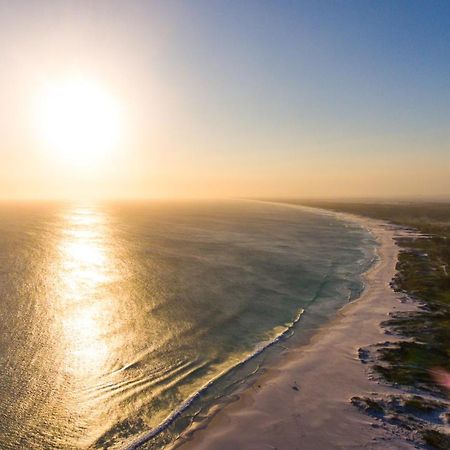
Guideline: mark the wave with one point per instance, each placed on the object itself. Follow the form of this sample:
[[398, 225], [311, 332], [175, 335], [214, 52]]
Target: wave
[[143, 438]]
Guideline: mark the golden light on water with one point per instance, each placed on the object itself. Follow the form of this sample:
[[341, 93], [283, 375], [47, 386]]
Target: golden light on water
[[93, 341], [88, 349], [87, 307], [78, 120]]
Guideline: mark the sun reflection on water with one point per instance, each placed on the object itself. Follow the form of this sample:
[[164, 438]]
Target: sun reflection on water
[[86, 270], [87, 316], [99, 332]]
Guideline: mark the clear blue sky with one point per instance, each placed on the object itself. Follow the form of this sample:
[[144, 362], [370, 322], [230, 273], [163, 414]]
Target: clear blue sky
[[258, 97]]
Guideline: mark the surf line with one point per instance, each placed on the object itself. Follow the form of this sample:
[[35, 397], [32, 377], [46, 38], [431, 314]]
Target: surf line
[[143, 438]]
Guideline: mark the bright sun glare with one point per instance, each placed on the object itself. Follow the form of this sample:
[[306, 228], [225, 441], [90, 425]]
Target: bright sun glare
[[79, 120]]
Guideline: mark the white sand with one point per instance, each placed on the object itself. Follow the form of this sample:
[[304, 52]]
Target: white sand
[[272, 415]]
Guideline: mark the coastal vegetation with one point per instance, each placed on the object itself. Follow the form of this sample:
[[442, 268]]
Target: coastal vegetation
[[420, 363]]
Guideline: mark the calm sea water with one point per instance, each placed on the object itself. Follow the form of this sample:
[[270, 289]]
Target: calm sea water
[[113, 316]]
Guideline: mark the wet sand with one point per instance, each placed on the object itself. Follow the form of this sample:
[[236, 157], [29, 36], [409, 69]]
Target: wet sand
[[304, 402]]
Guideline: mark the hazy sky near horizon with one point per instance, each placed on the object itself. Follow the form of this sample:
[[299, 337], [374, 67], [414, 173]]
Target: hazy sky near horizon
[[235, 98]]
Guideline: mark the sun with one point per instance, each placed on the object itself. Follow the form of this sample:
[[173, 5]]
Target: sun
[[79, 120]]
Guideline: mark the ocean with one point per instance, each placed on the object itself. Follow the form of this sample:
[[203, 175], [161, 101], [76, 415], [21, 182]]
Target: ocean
[[121, 322]]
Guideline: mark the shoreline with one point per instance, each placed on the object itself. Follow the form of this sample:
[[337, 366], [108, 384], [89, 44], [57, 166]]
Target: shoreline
[[304, 402]]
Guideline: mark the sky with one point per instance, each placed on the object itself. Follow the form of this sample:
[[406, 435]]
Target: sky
[[229, 98]]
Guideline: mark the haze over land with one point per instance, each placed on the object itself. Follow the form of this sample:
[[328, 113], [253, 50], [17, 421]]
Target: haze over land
[[312, 99]]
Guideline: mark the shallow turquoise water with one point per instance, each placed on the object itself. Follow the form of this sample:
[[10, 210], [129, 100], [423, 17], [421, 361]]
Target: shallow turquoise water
[[113, 315]]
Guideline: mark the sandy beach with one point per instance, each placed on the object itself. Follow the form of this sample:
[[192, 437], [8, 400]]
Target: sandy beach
[[304, 402]]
